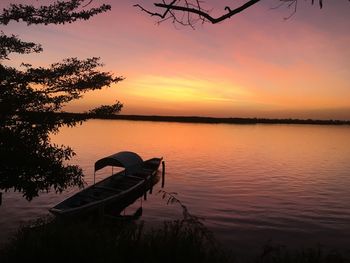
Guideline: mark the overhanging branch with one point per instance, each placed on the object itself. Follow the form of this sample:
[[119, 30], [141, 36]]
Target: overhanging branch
[[188, 12], [205, 14]]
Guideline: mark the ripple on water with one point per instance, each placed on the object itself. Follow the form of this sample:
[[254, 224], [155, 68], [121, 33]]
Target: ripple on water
[[251, 183]]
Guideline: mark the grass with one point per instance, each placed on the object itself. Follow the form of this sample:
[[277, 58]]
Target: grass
[[281, 254], [106, 239]]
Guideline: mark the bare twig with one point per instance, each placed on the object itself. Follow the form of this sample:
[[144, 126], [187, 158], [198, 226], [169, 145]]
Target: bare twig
[[87, 3], [189, 12]]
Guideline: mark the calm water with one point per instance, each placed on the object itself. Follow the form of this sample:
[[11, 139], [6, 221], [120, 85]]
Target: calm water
[[250, 183]]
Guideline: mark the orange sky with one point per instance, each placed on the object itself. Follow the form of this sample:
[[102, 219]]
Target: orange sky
[[253, 65]]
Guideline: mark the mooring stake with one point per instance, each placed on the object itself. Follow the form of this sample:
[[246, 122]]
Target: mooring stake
[[163, 174]]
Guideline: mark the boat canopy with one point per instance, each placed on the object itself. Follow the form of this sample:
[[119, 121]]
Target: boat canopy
[[128, 160]]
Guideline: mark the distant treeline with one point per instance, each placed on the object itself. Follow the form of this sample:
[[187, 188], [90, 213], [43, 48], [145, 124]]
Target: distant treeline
[[194, 119]]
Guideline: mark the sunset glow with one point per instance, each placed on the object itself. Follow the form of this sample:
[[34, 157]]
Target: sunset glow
[[175, 130], [253, 65]]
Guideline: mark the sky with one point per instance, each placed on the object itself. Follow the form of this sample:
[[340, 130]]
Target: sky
[[256, 64]]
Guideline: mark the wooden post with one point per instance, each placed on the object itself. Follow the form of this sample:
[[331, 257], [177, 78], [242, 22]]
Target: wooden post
[[0, 198], [163, 174]]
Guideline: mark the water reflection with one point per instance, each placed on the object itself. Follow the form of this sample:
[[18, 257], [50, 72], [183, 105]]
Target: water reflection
[[118, 209], [251, 183]]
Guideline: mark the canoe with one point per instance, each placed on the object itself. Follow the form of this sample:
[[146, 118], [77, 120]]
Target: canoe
[[117, 188]]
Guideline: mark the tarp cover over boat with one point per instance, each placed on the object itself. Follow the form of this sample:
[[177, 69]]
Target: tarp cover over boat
[[128, 160]]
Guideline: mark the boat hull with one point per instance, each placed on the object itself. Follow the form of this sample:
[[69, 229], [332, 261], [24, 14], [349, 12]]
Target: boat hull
[[114, 192]]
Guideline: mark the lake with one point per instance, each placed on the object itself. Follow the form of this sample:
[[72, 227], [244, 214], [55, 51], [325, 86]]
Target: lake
[[250, 183]]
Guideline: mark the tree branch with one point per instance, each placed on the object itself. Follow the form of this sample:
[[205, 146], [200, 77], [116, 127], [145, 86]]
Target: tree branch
[[59, 12], [189, 8], [188, 12], [156, 14], [12, 44], [205, 14]]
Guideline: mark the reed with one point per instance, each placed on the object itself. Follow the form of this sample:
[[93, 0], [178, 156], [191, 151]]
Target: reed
[[106, 239], [110, 241]]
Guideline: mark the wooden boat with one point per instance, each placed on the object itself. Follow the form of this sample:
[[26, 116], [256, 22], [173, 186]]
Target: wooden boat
[[135, 177]]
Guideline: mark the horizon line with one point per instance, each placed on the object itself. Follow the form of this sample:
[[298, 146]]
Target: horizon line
[[206, 119]]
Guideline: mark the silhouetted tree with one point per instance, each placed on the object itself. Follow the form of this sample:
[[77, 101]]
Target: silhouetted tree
[[190, 12], [104, 110], [31, 96]]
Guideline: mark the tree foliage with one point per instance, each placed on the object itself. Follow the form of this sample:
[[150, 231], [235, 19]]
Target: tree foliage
[[10, 44], [49, 89], [104, 110], [59, 12], [31, 96]]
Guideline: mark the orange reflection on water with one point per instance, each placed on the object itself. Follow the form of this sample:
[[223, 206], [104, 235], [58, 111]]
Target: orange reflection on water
[[250, 178]]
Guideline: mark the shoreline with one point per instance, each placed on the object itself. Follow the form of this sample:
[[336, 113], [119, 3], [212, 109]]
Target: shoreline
[[213, 120]]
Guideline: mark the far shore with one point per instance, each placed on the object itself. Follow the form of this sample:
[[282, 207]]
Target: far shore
[[214, 120]]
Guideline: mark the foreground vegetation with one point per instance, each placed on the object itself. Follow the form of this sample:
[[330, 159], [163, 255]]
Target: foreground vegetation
[[113, 240]]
